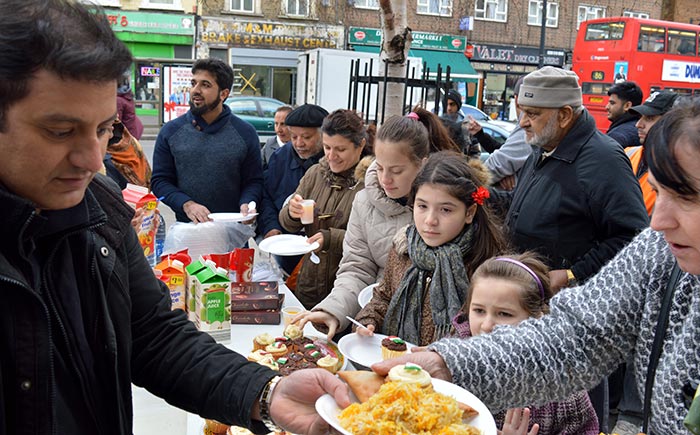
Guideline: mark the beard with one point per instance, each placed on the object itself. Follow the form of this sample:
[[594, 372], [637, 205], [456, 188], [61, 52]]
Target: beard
[[201, 110], [546, 136]]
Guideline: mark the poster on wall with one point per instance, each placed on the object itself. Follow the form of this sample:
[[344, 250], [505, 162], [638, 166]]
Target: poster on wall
[[176, 91]]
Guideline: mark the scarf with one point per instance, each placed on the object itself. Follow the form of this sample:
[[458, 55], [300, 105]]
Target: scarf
[[447, 288]]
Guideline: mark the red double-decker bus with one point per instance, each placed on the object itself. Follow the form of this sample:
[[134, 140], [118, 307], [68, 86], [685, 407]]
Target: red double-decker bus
[[654, 54]]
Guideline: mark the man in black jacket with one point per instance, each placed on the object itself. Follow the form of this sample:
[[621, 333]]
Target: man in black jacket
[[621, 97], [83, 315], [576, 202]]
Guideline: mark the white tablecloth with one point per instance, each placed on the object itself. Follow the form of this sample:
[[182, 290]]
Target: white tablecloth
[[154, 416]]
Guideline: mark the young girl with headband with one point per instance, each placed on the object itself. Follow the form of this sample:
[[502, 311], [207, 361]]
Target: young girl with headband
[[426, 279], [506, 291]]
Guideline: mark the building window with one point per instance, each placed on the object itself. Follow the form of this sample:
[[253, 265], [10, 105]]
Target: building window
[[297, 8], [492, 10], [245, 6], [367, 4], [435, 7], [586, 12], [634, 14], [534, 13], [113, 3]]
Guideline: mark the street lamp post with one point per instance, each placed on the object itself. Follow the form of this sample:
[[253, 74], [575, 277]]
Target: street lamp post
[[542, 32]]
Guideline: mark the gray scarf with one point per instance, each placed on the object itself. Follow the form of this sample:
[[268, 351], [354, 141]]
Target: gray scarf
[[448, 286]]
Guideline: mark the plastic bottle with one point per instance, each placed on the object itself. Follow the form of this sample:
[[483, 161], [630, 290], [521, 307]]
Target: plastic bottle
[[160, 239]]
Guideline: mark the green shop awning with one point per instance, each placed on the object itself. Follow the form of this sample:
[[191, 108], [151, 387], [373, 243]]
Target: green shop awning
[[460, 67]]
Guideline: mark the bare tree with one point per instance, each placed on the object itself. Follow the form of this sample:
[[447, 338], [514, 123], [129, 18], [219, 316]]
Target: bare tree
[[396, 42]]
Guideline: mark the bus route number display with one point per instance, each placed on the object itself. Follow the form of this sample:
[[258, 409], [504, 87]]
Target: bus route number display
[[598, 75]]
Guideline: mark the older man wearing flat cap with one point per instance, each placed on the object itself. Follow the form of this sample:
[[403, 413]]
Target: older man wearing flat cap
[[288, 164], [577, 202]]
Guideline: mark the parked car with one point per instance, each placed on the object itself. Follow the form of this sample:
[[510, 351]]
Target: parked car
[[259, 111], [482, 118]]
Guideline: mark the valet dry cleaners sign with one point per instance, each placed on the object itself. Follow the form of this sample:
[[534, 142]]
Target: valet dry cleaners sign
[[423, 40]]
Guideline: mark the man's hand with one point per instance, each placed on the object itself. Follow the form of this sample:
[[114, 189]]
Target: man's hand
[[428, 360], [272, 233], [507, 183], [295, 208], [196, 212], [318, 237], [294, 399], [245, 210], [472, 125], [558, 280]]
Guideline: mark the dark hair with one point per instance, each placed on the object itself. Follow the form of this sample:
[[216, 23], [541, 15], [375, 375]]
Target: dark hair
[[63, 37], [346, 123], [284, 108], [221, 70], [408, 132], [627, 91], [679, 125], [460, 179], [530, 298], [438, 135]]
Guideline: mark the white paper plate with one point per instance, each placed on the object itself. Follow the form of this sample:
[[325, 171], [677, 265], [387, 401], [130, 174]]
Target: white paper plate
[[231, 217], [287, 244], [364, 350], [365, 295], [329, 410]]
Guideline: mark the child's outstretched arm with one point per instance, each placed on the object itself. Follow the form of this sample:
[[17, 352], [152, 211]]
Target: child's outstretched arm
[[516, 422]]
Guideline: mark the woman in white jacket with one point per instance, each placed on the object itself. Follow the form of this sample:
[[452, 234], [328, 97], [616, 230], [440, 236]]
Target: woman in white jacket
[[378, 212]]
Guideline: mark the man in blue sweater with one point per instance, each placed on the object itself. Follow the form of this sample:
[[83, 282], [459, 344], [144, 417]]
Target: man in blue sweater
[[207, 160]]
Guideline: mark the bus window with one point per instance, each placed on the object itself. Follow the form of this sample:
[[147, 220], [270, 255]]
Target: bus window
[[595, 88], [652, 39], [605, 31], [683, 92], [681, 42]]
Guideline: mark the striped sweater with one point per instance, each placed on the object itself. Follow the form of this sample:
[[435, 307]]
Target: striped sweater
[[591, 330]]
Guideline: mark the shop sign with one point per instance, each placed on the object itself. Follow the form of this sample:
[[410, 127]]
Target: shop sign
[[150, 71], [250, 34], [424, 40], [149, 22], [516, 55]]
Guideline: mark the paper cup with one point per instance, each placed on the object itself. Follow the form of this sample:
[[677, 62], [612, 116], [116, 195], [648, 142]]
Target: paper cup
[[288, 313], [307, 214]]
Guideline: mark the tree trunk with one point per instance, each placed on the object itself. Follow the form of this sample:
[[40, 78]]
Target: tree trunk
[[396, 41]]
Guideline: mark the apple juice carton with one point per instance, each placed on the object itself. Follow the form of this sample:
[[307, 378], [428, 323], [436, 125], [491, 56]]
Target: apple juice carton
[[213, 300], [140, 198], [173, 275], [191, 270]]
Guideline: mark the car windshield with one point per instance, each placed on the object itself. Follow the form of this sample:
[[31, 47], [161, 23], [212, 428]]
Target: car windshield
[[474, 112]]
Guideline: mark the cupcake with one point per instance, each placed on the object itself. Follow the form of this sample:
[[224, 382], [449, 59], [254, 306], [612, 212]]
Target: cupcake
[[410, 372], [329, 363], [277, 349], [313, 355], [262, 341], [293, 331], [257, 355], [213, 427], [392, 347], [269, 361]]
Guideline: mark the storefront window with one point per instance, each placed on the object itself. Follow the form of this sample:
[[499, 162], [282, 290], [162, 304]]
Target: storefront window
[[147, 85], [265, 81]]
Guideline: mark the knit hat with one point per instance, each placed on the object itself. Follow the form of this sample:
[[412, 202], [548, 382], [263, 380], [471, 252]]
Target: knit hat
[[550, 87], [657, 103], [307, 115], [455, 96]]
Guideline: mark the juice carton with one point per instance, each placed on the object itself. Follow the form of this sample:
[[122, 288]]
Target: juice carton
[[212, 300], [140, 198], [173, 275], [191, 270]]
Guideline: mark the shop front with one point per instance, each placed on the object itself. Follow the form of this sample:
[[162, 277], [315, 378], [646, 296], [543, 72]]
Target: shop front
[[435, 49], [264, 55], [501, 66], [154, 38]]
